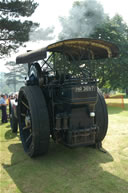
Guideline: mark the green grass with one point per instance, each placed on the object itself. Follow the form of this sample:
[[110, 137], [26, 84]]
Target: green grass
[[64, 170]]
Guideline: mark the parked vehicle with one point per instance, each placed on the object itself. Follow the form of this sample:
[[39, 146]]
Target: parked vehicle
[[61, 98]]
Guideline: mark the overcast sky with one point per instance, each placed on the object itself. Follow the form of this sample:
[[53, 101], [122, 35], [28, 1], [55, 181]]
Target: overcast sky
[[48, 12]]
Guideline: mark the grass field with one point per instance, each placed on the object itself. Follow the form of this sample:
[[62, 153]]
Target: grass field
[[64, 170], [116, 101]]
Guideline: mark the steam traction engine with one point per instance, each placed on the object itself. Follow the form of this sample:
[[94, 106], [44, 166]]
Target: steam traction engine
[[61, 98]]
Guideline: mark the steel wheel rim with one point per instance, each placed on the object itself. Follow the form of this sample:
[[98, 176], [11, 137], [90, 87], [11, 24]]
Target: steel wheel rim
[[25, 122]]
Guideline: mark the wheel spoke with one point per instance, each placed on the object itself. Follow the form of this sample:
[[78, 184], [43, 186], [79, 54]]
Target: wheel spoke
[[23, 115], [31, 120], [25, 104], [29, 137], [26, 127]]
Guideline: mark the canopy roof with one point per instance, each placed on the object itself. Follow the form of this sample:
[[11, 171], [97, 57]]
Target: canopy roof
[[84, 47]]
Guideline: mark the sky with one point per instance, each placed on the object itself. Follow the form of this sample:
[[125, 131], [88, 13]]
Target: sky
[[48, 12]]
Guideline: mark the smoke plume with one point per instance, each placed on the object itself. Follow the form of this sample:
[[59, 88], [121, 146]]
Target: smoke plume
[[82, 20], [41, 34]]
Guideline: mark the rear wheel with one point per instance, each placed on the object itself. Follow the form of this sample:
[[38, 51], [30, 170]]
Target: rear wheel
[[101, 117], [33, 121]]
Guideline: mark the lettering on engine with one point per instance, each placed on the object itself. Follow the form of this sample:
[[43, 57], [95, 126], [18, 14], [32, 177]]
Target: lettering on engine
[[85, 89]]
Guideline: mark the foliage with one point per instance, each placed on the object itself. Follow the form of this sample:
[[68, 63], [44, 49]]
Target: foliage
[[14, 30], [113, 73], [16, 75], [93, 23], [3, 86]]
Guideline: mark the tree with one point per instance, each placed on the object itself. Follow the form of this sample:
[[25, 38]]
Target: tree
[[87, 20], [4, 88], [114, 30], [16, 75], [14, 32]]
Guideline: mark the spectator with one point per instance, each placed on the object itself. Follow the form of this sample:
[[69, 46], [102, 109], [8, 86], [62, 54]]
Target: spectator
[[0, 101], [4, 108]]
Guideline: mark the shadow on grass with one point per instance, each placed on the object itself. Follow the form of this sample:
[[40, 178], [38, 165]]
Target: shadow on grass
[[115, 110], [63, 170], [8, 126], [3, 124], [9, 135]]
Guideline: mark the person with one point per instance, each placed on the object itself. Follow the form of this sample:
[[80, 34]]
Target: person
[[4, 108], [0, 101]]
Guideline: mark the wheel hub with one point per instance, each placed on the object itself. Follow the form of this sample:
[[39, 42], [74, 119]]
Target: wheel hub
[[27, 120]]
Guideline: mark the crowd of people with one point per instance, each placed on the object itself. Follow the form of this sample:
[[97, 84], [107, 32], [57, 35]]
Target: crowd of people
[[4, 102]]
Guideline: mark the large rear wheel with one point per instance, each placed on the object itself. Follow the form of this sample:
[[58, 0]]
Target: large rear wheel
[[101, 118], [33, 121]]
